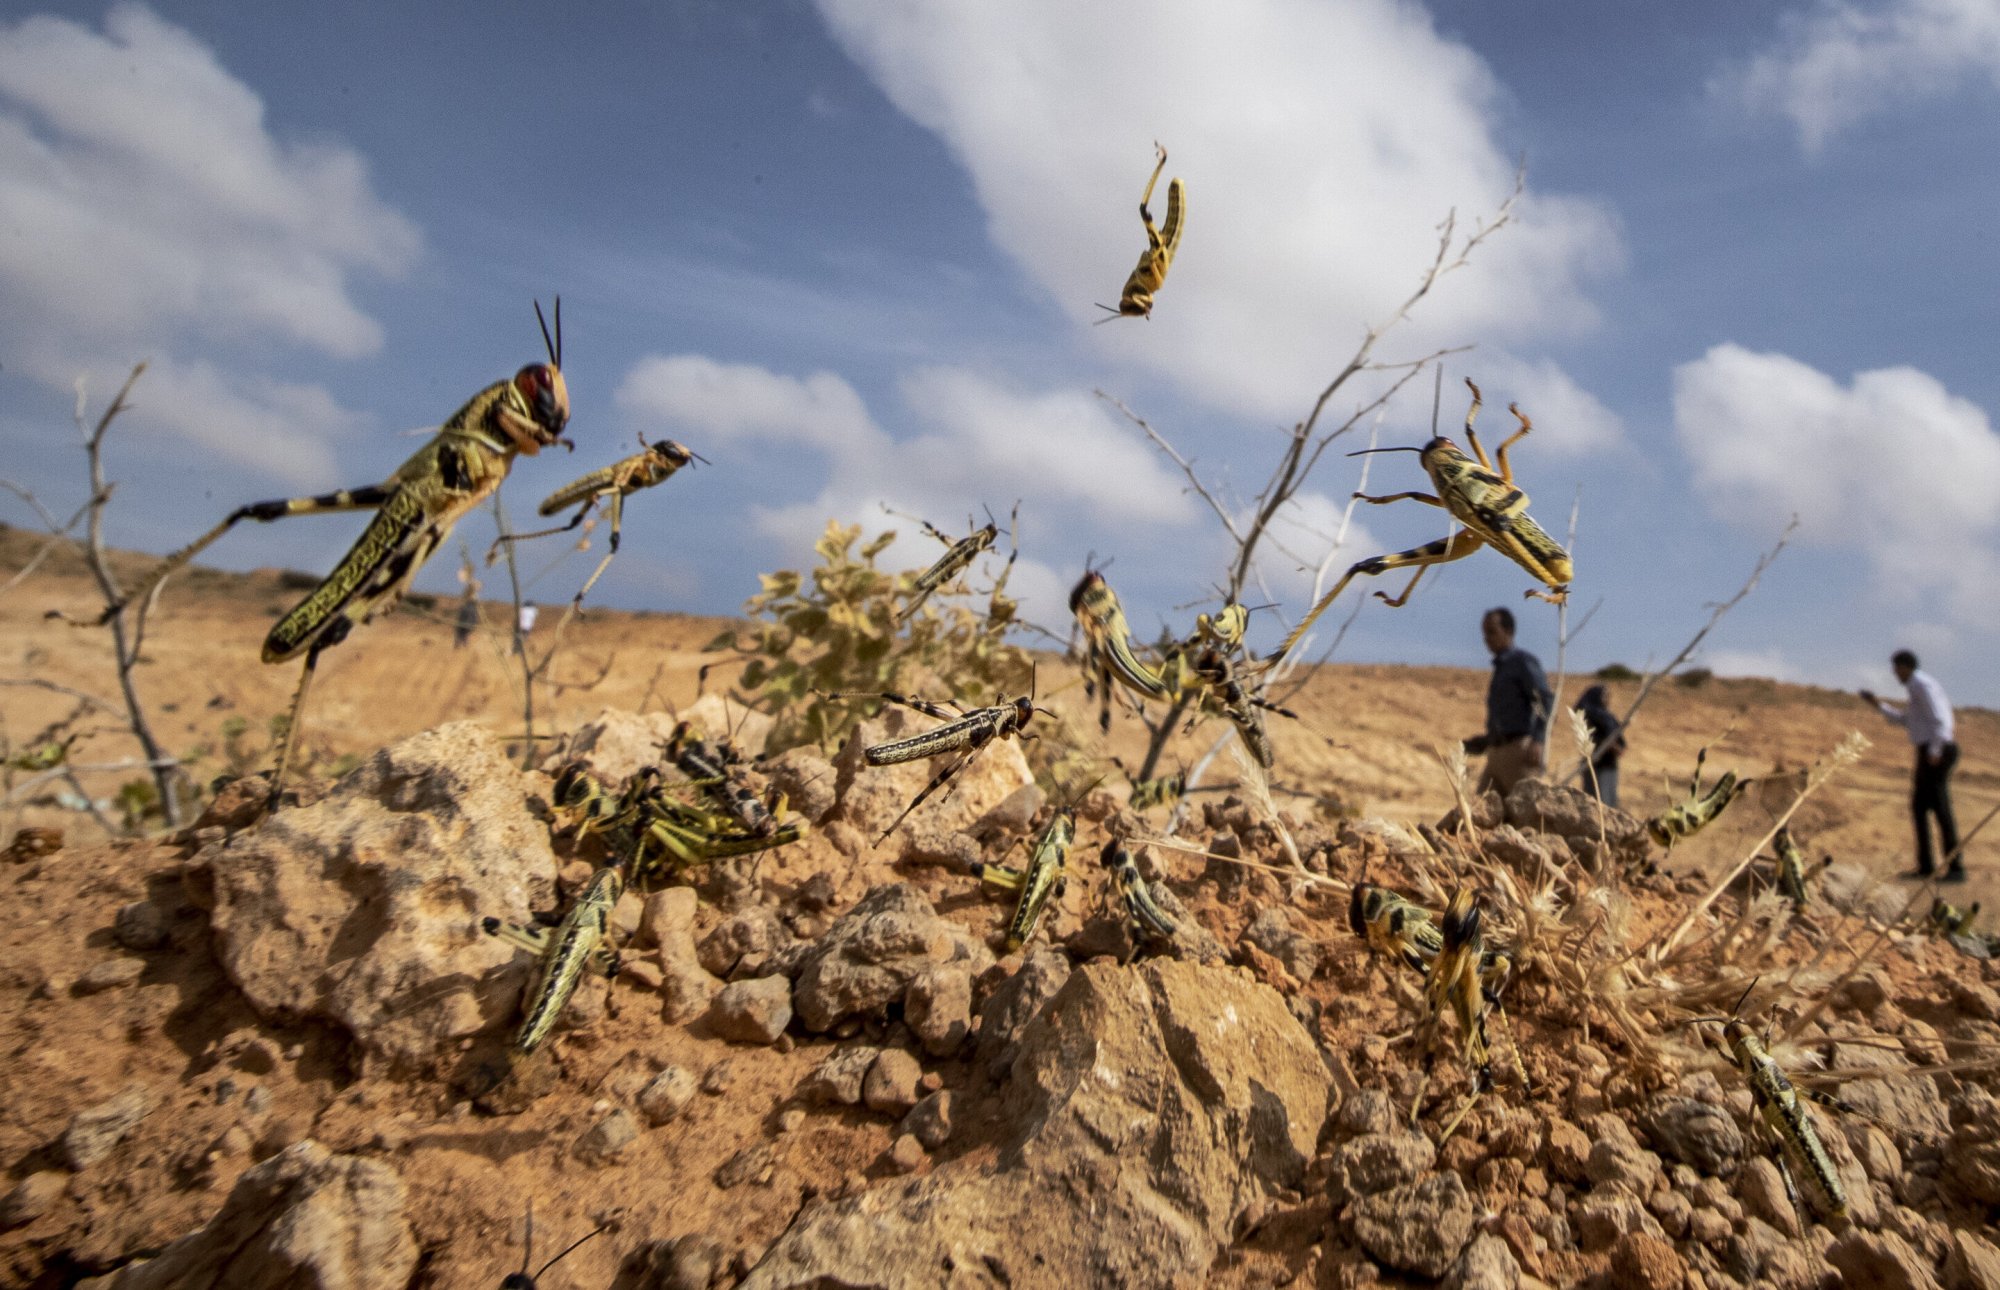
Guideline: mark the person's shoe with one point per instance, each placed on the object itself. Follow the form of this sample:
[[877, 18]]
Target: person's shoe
[[1917, 875], [1953, 874]]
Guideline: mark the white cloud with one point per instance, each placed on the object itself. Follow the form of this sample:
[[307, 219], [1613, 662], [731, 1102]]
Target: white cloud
[[287, 431], [985, 444], [1840, 62], [1321, 144], [739, 401], [1569, 420], [144, 202], [1891, 466]]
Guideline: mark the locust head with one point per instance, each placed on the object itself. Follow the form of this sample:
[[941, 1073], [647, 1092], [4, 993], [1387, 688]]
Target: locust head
[[673, 455], [1089, 594], [1364, 907], [540, 386], [543, 398]]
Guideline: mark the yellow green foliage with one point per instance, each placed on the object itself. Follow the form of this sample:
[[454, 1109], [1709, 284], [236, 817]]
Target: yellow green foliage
[[837, 628]]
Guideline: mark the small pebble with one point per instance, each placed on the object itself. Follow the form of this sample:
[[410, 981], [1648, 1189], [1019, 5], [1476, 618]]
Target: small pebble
[[109, 975], [667, 1095], [719, 1077], [608, 1137], [907, 1154], [790, 1119], [32, 1197], [140, 926]]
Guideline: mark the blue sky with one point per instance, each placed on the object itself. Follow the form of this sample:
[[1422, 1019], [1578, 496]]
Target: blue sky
[[850, 253]]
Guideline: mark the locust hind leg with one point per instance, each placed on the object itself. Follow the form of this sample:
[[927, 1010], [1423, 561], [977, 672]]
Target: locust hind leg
[[938, 780], [347, 499], [333, 636], [1147, 196], [1443, 551], [576, 604]]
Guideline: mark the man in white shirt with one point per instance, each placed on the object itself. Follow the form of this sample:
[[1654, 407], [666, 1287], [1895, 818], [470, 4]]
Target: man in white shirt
[[1927, 720]]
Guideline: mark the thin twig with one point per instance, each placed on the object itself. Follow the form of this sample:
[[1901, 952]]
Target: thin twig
[[1653, 678], [520, 639], [58, 532], [166, 777]]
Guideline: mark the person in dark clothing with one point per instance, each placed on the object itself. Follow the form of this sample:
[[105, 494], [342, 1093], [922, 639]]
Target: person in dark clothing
[[468, 617], [1927, 719], [1518, 700], [1607, 736]]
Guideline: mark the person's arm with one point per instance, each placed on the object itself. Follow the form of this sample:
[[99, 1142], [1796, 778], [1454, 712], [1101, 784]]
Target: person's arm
[[1541, 699], [1895, 715]]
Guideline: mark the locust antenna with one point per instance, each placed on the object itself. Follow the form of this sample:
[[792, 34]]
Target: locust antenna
[[1363, 452], [549, 345]]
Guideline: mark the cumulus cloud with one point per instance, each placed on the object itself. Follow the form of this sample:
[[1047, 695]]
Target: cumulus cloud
[[143, 200], [1321, 144], [1891, 466], [1840, 62], [981, 443]]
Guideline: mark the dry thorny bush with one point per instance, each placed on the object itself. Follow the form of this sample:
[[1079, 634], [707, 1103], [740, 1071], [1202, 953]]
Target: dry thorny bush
[[844, 626]]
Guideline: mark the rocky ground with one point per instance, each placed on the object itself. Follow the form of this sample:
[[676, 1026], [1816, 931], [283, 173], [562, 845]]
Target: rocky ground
[[273, 1054]]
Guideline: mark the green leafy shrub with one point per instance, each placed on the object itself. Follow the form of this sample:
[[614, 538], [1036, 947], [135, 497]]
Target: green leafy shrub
[[1616, 672], [836, 629], [1694, 678]]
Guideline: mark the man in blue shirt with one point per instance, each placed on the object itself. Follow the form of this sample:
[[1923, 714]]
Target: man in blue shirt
[[1518, 701], [1927, 718]]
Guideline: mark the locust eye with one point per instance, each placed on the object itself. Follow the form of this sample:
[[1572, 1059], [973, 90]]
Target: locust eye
[[1088, 583], [547, 396], [1357, 909]]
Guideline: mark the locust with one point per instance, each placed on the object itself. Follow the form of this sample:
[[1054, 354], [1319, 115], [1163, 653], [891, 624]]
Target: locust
[[1689, 816], [1793, 875], [958, 556], [414, 511], [1464, 981], [1163, 790], [666, 837], [1143, 915], [966, 731], [1162, 243], [653, 464], [1491, 508], [1217, 674], [579, 943], [1950, 920], [1043, 881], [582, 805], [715, 768], [1108, 645], [524, 1280], [1394, 926], [651, 832], [1783, 1120]]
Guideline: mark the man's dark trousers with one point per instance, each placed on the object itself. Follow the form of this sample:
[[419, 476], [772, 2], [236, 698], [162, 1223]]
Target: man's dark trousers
[[1932, 796]]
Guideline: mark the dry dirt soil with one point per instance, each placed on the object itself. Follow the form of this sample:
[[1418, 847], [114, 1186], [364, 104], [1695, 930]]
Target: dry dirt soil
[[1369, 742]]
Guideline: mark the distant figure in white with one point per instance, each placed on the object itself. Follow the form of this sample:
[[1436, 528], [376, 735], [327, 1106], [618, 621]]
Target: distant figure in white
[[527, 624], [1927, 720]]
